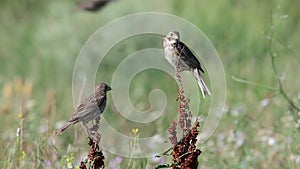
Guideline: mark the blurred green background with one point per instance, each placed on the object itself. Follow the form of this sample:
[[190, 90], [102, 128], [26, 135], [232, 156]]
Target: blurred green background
[[40, 41]]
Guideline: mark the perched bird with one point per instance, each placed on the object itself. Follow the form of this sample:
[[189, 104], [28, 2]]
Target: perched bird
[[180, 57], [91, 108], [93, 5]]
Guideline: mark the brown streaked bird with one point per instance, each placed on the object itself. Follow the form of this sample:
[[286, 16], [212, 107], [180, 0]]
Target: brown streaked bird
[[181, 57], [91, 108]]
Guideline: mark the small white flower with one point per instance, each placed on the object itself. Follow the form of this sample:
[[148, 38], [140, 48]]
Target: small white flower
[[271, 141], [234, 112], [297, 159], [18, 132], [240, 139], [265, 102]]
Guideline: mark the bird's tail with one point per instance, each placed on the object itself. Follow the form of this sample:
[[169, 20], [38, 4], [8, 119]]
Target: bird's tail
[[205, 91], [63, 128]]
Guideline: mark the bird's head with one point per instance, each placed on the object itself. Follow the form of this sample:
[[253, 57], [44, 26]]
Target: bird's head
[[171, 38], [102, 87]]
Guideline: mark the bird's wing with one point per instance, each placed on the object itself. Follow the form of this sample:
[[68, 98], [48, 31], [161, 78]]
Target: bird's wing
[[79, 109], [86, 106], [87, 112], [91, 105], [188, 57]]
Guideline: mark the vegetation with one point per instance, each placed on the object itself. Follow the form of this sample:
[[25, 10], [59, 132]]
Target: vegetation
[[258, 43]]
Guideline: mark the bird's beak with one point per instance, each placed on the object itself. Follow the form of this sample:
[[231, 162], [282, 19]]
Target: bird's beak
[[109, 88]]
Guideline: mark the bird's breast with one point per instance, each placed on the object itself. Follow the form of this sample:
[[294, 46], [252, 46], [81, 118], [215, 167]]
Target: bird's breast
[[170, 55]]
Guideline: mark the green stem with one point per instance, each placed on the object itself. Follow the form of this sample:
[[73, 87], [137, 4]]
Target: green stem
[[275, 70]]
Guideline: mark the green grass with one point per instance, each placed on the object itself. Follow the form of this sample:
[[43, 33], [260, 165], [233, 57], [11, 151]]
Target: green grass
[[41, 40]]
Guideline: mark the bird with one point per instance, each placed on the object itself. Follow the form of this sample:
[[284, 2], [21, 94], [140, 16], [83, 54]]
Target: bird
[[93, 5], [91, 108], [182, 59]]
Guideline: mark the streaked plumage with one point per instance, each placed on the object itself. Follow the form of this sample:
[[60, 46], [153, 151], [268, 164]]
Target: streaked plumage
[[91, 108], [180, 56]]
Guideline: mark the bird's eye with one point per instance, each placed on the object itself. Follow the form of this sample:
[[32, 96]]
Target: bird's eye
[[171, 34]]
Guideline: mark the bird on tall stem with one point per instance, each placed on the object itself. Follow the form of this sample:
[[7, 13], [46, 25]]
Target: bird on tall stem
[[91, 108], [182, 59]]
